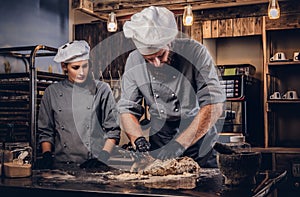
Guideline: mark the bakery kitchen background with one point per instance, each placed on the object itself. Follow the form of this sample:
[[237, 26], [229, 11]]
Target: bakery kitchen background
[[257, 59]]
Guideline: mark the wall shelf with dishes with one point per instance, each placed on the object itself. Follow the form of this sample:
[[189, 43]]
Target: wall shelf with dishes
[[281, 48], [281, 79]]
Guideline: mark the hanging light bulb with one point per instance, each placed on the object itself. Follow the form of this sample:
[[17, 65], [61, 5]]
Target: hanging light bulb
[[273, 9], [112, 25], [188, 17]]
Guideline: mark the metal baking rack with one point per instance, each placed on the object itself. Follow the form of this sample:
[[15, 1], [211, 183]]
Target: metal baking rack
[[21, 94]]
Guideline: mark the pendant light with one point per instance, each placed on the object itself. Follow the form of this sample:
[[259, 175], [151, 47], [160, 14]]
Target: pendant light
[[112, 24], [188, 17], [273, 9]]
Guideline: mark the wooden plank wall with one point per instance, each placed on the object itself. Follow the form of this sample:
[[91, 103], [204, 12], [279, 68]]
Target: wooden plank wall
[[109, 58], [210, 23], [239, 20], [232, 27]]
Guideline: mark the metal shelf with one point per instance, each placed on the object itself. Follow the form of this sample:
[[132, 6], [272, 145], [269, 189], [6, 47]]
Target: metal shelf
[[16, 86]]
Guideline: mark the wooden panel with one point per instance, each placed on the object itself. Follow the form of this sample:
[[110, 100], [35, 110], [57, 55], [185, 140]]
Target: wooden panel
[[206, 28], [129, 5], [214, 29], [229, 27], [249, 23], [196, 32], [225, 28], [258, 25], [284, 22], [222, 28], [247, 26], [244, 26], [254, 25], [237, 24], [232, 27]]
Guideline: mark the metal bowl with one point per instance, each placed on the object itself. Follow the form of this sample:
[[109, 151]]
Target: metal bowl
[[239, 168]]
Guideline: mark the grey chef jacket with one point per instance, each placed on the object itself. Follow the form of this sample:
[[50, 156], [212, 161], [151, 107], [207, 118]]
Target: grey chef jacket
[[174, 92], [76, 122]]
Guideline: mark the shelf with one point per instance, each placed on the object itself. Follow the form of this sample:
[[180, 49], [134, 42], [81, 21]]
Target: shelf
[[283, 63], [276, 150], [281, 119], [284, 101]]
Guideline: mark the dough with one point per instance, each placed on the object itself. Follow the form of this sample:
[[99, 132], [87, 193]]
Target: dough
[[172, 166]]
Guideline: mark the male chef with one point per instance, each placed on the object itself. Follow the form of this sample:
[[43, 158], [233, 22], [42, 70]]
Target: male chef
[[178, 80]]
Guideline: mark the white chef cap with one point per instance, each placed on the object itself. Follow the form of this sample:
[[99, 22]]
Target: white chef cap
[[151, 29], [74, 51]]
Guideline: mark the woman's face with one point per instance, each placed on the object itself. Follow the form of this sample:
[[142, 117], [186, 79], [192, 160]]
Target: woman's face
[[77, 71]]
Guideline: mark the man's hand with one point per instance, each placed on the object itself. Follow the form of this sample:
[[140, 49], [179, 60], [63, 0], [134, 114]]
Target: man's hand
[[142, 145], [97, 164], [92, 163], [172, 150], [47, 161]]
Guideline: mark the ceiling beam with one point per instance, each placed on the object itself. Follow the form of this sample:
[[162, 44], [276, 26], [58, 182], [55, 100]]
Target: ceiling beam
[[125, 8]]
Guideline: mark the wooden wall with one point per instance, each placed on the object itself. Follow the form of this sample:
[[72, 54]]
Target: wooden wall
[[110, 50], [209, 23], [106, 48]]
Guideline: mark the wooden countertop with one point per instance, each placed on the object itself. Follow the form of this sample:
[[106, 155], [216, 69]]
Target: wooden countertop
[[81, 183]]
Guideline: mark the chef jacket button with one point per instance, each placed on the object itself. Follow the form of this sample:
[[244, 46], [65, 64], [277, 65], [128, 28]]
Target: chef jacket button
[[88, 107], [174, 77], [60, 94], [173, 95], [87, 144], [87, 126], [176, 109], [162, 111], [156, 95], [153, 78], [59, 110], [62, 128], [65, 146]]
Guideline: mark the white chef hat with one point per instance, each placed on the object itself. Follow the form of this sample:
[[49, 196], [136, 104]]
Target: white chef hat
[[74, 51], [151, 29]]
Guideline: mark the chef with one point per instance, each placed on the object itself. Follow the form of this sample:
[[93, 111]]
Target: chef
[[178, 80], [77, 121]]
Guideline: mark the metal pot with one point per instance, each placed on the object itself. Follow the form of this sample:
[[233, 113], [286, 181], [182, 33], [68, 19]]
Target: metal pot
[[239, 168]]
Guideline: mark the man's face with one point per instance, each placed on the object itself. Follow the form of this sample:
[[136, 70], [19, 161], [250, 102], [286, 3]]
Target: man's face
[[159, 58], [77, 71]]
